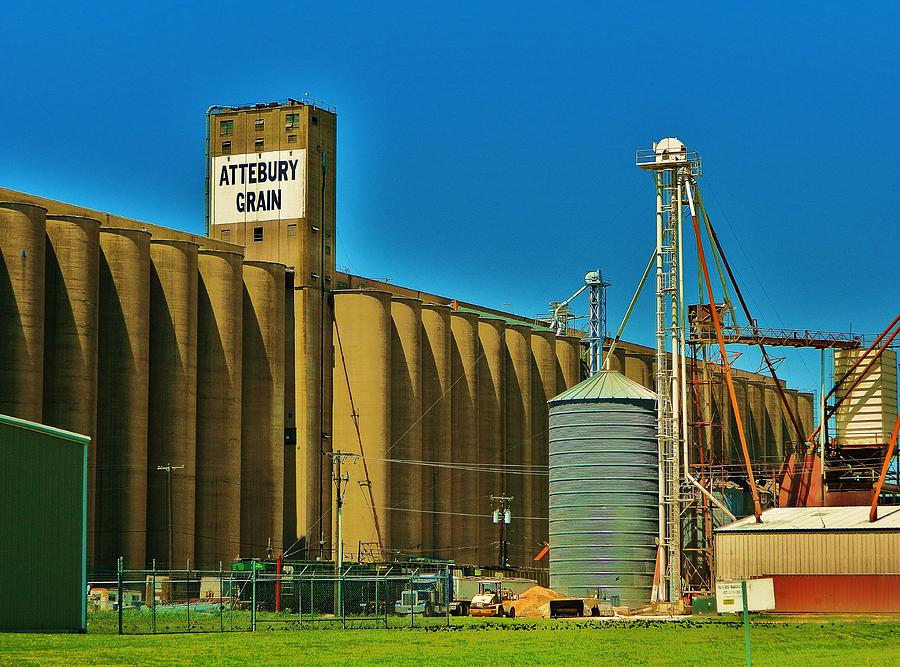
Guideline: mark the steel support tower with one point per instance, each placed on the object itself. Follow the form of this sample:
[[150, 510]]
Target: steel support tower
[[673, 167], [596, 318]]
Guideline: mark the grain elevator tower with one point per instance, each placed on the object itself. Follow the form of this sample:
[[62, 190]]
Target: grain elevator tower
[[271, 187]]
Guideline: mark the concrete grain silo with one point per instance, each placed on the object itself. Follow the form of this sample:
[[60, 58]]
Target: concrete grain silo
[[733, 453], [290, 535], [70, 336], [458, 489], [775, 432], [543, 388], [568, 357], [122, 392], [363, 356], [604, 489], [262, 409], [787, 428], [219, 363], [436, 434], [22, 257], [758, 437], [517, 448], [172, 431], [406, 424], [491, 435], [617, 361], [313, 366], [805, 403], [639, 367]]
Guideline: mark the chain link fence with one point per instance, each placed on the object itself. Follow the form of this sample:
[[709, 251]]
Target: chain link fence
[[251, 597]]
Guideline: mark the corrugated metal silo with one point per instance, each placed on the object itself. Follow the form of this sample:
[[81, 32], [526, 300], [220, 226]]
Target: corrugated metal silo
[[406, 423], [491, 434], [219, 362], [459, 488], [262, 409], [543, 388], [604, 489], [363, 322], [568, 356], [122, 391], [70, 336], [517, 447], [436, 434], [22, 243], [172, 432]]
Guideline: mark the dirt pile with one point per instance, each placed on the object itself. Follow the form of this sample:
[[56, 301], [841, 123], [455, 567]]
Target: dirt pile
[[535, 602]]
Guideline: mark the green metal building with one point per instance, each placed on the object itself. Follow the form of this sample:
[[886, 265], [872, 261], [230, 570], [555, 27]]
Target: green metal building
[[43, 532]]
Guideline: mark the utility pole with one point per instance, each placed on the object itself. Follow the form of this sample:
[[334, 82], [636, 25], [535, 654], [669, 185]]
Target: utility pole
[[168, 468], [340, 487], [502, 516]]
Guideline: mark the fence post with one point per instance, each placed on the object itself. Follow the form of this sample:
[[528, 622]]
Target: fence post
[[412, 602], [448, 593], [253, 595], [120, 588], [341, 597], [221, 599], [298, 586], [376, 600], [187, 588], [153, 599]]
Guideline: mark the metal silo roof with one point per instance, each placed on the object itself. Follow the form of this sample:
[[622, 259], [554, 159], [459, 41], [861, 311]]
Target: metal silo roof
[[606, 385]]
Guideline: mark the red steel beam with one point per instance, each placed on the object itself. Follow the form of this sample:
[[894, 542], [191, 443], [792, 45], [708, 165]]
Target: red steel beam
[[701, 259], [892, 446]]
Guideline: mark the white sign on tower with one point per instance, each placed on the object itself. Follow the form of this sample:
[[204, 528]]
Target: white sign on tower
[[254, 187]]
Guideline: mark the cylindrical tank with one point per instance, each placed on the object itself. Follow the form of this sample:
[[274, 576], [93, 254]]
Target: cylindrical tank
[[603, 489], [774, 435], [733, 451], [436, 434], [617, 362], [758, 438], [639, 367], [22, 243], [219, 362], [805, 403], [491, 434], [458, 489], [363, 367], [262, 409], [122, 391], [787, 428], [172, 432], [543, 388], [517, 450], [568, 356], [406, 424], [313, 376], [70, 337]]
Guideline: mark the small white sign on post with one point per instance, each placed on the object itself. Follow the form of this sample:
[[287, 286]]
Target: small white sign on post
[[760, 596]]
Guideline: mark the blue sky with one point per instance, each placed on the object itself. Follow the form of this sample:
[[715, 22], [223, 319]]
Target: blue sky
[[486, 149]]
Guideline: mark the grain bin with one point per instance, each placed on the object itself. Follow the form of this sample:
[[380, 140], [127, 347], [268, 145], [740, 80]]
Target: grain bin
[[219, 313], [70, 336], [460, 491], [172, 432], [774, 431], [436, 437], [604, 489], [262, 409], [491, 434], [363, 368], [122, 389], [406, 424], [517, 452], [22, 243]]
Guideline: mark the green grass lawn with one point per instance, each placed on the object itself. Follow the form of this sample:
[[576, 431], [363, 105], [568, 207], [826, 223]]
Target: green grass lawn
[[796, 643]]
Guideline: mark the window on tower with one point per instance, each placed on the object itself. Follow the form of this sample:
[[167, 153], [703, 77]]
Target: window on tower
[[226, 128], [259, 143], [257, 233], [291, 121], [226, 148], [260, 124], [292, 138]]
